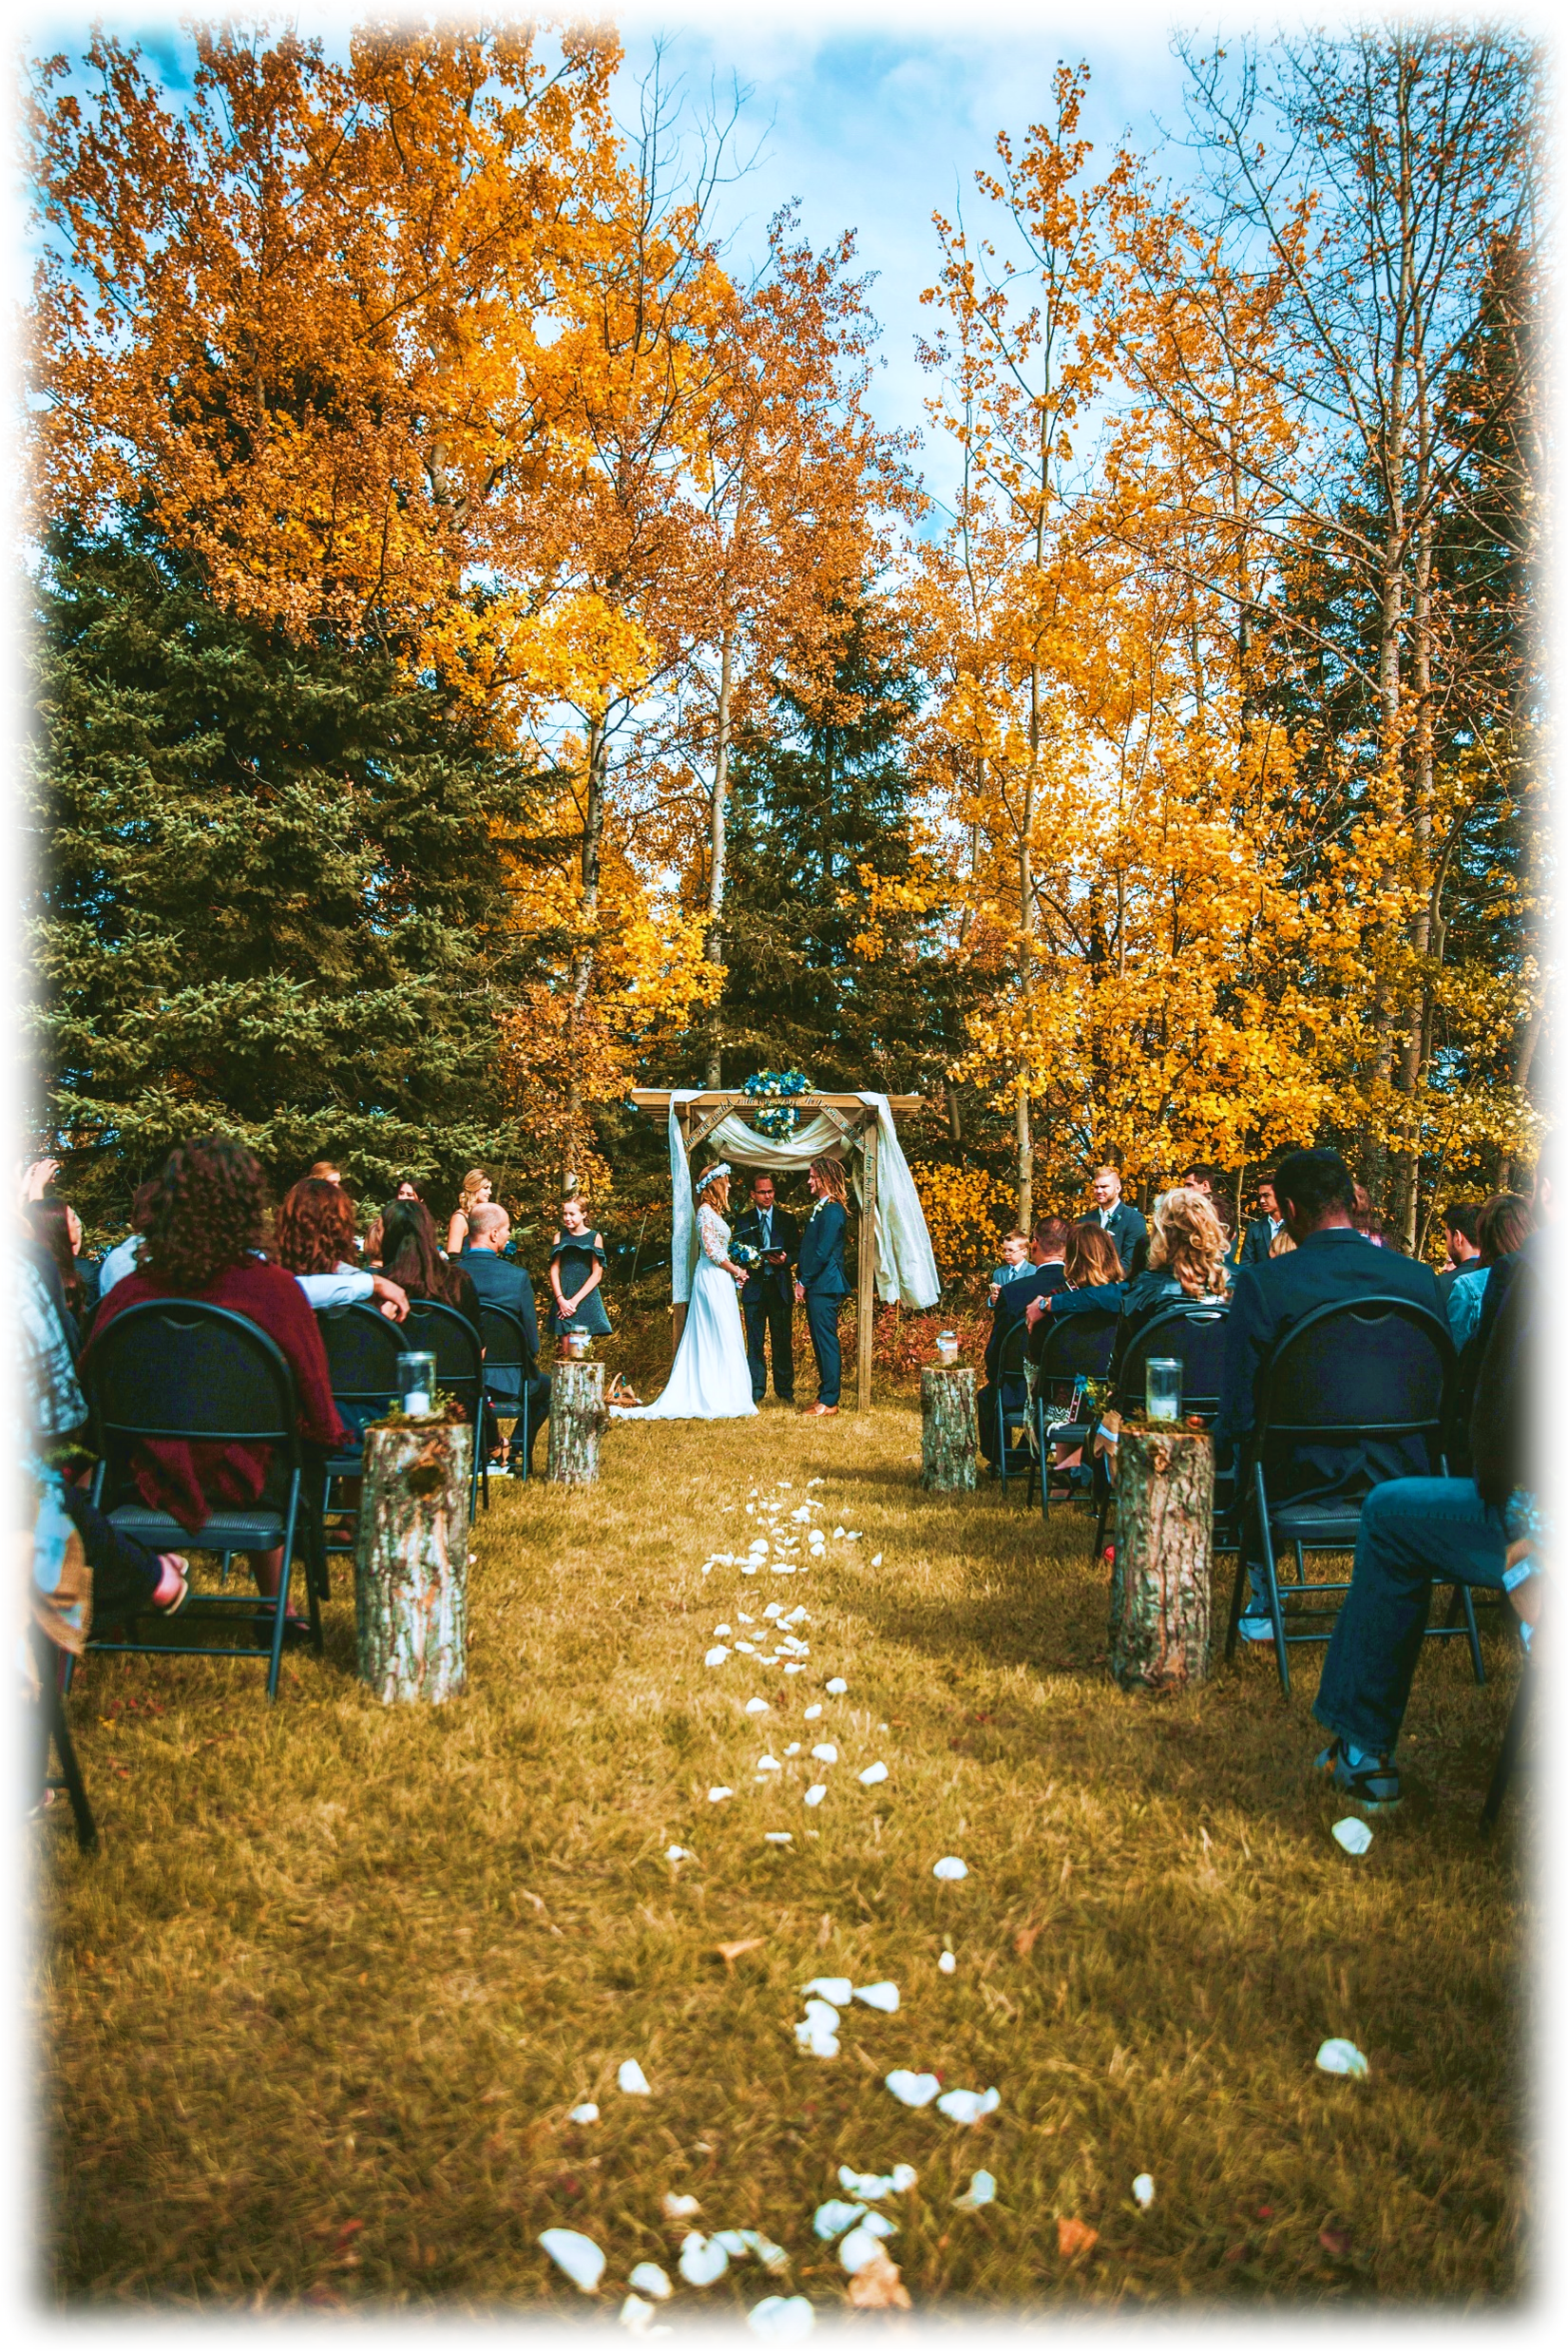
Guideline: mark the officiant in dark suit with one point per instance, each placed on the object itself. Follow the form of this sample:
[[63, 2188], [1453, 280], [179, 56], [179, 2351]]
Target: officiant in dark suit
[[768, 1299]]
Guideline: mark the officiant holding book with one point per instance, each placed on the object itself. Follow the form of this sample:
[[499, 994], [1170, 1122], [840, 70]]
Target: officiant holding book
[[768, 1299]]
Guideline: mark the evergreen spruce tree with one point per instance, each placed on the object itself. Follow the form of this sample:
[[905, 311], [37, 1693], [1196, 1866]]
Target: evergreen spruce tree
[[266, 896]]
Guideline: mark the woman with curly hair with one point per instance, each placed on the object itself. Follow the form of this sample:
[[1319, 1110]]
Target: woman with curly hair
[[204, 1240], [475, 1193], [1188, 1247], [314, 1234]]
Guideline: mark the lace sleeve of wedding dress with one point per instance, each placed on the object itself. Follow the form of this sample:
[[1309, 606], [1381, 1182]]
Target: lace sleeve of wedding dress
[[713, 1234]]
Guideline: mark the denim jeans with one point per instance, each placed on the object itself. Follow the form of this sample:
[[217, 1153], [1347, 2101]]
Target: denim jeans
[[1413, 1531]]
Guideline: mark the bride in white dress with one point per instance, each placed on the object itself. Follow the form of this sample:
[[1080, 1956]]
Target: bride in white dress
[[710, 1379]]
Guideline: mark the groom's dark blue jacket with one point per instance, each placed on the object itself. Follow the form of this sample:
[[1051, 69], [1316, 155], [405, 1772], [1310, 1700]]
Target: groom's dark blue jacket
[[820, 1265]]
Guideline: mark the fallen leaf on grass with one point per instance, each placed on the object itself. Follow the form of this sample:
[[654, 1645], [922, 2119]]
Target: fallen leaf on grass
[[1336, 2242], [877, 2287], [578, 2256], [1074, 2237], [1026, 1937], [730, 1953]]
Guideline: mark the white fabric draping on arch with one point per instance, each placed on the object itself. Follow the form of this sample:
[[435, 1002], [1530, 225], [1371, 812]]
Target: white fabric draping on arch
[[905, 1269]]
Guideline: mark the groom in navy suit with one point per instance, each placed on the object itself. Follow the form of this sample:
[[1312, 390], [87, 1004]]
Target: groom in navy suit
[[768, 1299], [822, 1284]]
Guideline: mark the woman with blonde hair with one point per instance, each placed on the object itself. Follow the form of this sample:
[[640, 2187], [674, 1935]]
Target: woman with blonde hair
[[1187, 1252], [475, 1193]]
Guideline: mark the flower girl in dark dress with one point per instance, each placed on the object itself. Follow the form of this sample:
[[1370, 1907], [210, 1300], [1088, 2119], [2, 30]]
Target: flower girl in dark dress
[[577, 1271]]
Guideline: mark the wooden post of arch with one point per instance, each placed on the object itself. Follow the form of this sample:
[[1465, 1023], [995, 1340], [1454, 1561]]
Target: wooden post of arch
[[678, 1313], [866, 1286]]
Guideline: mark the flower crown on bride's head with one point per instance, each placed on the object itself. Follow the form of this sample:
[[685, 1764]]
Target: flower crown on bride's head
[[720, 1167]]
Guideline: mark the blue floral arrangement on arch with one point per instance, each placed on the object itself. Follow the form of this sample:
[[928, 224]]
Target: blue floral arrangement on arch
[[772, 1113]]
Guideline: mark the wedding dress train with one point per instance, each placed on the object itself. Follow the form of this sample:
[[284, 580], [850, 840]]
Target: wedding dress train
[[710, 1379]]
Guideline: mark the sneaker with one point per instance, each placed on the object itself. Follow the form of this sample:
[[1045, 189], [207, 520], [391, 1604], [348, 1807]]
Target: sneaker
[[1371, 1781], [1255, 1629]]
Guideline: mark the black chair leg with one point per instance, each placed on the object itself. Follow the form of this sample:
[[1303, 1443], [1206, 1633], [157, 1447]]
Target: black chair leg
[[1508, 1752], [1462, 1600], [56, 1728]]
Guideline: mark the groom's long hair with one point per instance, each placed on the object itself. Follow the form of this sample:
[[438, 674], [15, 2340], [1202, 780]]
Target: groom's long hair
[[830, 1175]]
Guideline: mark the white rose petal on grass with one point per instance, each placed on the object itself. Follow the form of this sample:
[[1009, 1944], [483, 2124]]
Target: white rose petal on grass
[[913, 2089], [1352, 1834], [717, 1797], [817, 1792], [633, 2080], [837, 1687], [861, 2246], [949, 1868], [969, 2105], [638, 2317], [875, 2184], [853, 1536], [757, 1706], [779, 1837], [649, 2279], [876, 1559], [677, 2207], [795, 1668], [678, 1853], [587, 2113], [717, 1655], [883, 1996], [782, 2319], [872, 1774], [830, 2221], [1143, 2189], [721, 1630], [775, 1609], [982, 2190], [702, 2260], [813, 1710], [793, 1748], [1342, 2057], [769, 1763], [825, 1753], [578, 2256], [835, 1989]]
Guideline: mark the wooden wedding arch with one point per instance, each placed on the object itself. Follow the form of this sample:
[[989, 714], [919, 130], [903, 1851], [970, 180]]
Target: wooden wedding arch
[[856, 1123]]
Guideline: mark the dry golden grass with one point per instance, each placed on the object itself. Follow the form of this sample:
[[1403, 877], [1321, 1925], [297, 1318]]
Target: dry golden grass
[[317, 2013]]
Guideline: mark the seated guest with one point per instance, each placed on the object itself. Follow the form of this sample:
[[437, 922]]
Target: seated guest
[[122, 1259], [57, 1229], [1045, 1273], [410, 1258], [204, 1241], [1187, 1261], [1093, 1284], [1216, 1188], [1015, 1258], [1415, 1531], [315, 1233], [327, 1170], [499, 1281], [1266, 1227], [1118, 1217], [1504, 1224], [1331, 1265], [1461, 1220]]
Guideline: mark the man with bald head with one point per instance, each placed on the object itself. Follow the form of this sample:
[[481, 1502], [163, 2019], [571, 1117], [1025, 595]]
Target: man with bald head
[[501, 1282]]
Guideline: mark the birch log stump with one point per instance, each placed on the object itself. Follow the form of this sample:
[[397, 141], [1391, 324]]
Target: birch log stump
[[411, 1561], [948, 1427], [577, 1414], [1160, 1584]]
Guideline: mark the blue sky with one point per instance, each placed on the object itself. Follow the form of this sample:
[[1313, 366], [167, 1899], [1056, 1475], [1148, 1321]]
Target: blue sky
[[871, 116]]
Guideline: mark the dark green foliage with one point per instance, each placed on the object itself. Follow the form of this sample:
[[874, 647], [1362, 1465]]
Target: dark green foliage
[[266, 899]]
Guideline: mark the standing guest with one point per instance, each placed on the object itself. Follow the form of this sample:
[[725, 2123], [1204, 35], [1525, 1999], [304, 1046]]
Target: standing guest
[[412, 1260], [1331, 1265], [314, 1234], [1503, 1225], [57, 1227], [1214, 1184], [475, 1194], [499, 1281], [1460, 1222], [1015, 1260], [204, 1241], [767, 1297], [822, 1283], [405, 1189], [1118, 1218], [1266, 1227], [576, 1275]]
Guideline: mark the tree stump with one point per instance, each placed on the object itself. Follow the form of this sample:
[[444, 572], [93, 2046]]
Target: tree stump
[[411, 1560], [948, 1427], [577, 1414], [1159, 1585]]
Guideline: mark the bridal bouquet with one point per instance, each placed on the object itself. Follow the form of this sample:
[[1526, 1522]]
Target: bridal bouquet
[[744, 1256], [774, 1115]]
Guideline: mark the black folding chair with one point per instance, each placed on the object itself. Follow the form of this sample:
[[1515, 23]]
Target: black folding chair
[[1502, 1771], [1194, 1336], [363, 1347], [185, 1372], [1376, 1369], [1009, 1370], [436, 1328], [507, 1350], [1078, 1348]]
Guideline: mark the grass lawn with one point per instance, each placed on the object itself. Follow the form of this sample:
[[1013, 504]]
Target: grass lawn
[[314, 2017]]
